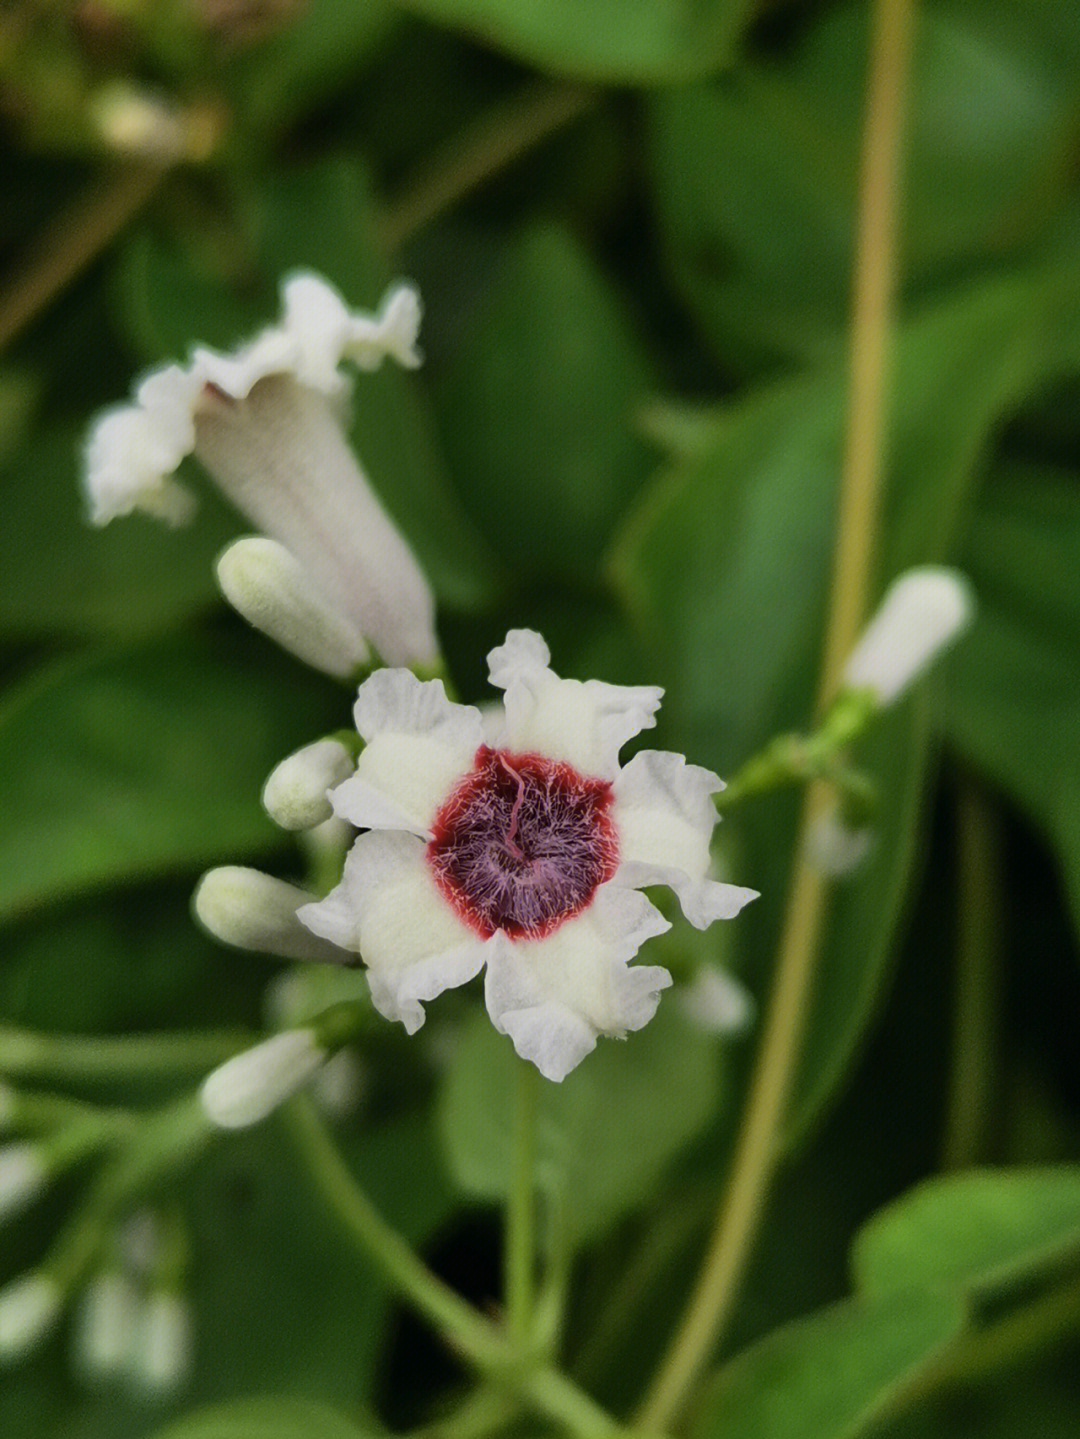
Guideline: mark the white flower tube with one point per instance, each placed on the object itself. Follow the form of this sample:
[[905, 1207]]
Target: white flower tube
[[162, 1359], [251, 1085], [264, 583], [106, 1325], [295, 795], [922, 612], [24, 1173], [29, 1307], [264, 423], [252, 910]]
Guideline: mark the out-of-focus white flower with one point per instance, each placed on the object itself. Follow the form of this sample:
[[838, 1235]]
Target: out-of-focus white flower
[[922, 612], [24, 1173], [271, 590], [296, 795], [252, 910], [162, 1356], [263, 421], [834, 847], [105, 1327], [29, 1307], [716, 1002], [251, 1085], [522, 858]]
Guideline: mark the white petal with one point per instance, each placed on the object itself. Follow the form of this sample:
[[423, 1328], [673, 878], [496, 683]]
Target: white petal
[[326, 330], [418, 745], [251, 1085], [924, 610], [389, 909], [665, 816], [392, 332], [553, 996], [251, 910], [584, 723], [129, 464]]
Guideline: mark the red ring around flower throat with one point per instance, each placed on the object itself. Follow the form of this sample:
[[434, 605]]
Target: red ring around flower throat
[[522, 842]]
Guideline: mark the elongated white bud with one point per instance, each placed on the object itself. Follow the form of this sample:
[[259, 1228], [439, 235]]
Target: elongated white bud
[[295, 795], [252, 910], [29, 1307], [275, 594], [834, 847], [248, 1087], [716, 1002], [921, 613], [24, 1174], [162, 1357], [105, 1333]]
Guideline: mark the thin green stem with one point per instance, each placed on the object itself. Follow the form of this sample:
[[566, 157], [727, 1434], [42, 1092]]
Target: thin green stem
[[975, 1022], [489, 145], [98, 1059], [520, 1257], [757, 1148]]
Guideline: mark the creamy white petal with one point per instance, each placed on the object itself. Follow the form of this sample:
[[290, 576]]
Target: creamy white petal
[[418, 745], [585, 723], [664, 815], [389, 909], [128, 467], [327, 331], [553, 996]]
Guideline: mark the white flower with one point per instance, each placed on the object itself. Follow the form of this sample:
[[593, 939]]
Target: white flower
[[106, 1324], [251, 1085], [518, 848], [264, 583], [296, 794], [834, 847], [23, 1175], [252, 910], [715, 1001], [29, 1307], [922, 612], [263, 421], [162, 1358]]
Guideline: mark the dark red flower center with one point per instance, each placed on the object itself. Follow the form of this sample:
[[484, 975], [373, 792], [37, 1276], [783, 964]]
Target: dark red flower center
[[522, 843]]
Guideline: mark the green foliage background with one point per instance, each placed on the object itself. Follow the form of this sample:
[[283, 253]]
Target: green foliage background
[[632, 224]]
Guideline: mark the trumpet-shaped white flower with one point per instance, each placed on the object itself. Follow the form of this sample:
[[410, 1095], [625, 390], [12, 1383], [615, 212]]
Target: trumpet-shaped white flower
[[251, 1085], [518, 849], [922, 612], [263, 421]]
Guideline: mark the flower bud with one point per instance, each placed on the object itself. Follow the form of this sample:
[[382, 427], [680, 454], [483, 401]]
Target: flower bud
[[716, 1002], [29, 1307], [295, 795], [251, 1085], [834, 847], [270, 588], [23, 1175], [252, 910], [106, 1325], [162, 1357], [922, 612]]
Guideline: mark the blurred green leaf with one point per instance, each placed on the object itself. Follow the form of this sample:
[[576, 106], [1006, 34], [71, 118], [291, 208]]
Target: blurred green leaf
[[639, 42], [537, 409], [725, 565], [1008, 697], [319, 216], [977, 1231], [263, 1419], [135, 765], [605, 1135], [831, 1376], [756, 177], [62, 576]]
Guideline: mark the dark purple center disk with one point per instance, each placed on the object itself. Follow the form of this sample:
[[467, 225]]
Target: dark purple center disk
[[522, 843]]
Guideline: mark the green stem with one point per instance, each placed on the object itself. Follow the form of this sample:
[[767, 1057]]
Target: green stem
[[521, 1208], [93, 1059], [975, 1021], [757, 1148], [464, 1329]]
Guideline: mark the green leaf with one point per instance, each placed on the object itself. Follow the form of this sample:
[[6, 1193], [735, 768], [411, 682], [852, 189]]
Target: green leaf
[[831, 1376], [725, 565], [605, 1135], [263, 1419], [130, 766], [639, 42], [971, 1232], [1008, 697], [756, 177], [64, 577], [537, 407]]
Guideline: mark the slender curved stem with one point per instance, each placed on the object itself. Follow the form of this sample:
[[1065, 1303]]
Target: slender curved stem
[[520, 1256], [756, 1152], [104, 1059]]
